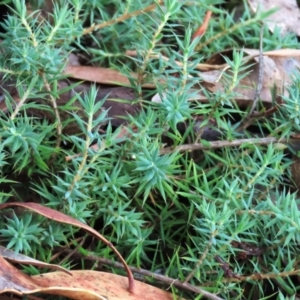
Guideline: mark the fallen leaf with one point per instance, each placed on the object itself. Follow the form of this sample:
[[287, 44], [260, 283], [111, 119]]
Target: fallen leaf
[[101, 75], [26, 260], [62, 218], [84, 285], [12, 279], [278, 69], [287, 17], [109, 286]]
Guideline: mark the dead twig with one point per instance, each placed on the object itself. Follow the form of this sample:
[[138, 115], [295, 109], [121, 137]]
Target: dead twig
[[221, 144], [122, 18], [55, 108], [200, 67], [225, 266], [260, 276], [199, 263], [265, 113]]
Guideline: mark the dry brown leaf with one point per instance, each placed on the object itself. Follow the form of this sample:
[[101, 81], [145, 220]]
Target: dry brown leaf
[[62, 218], [287, 17], [85, 285], [245, 91], [287, 52], [216, 61], [81, 285], [212, 81], [109, 286], [26, 260], [12, 279], [279, 67], [100, 75]]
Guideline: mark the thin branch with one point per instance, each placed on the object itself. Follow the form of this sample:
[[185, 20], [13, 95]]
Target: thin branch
[[55, 108], [268, 212], [226, 32], [265, 113], [82, 169], [199, 263], [20, 103], [259, 276], [122, 18], [65, 259], [221, 144], [159, 277], [201, 67]]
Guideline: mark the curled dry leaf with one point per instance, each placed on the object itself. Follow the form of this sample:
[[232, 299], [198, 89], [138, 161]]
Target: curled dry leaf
[[82, 285], [109, 286], [62, 218], [26, 260], [14, 281]]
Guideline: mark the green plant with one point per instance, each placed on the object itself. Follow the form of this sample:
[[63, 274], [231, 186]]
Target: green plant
[[222, 218]]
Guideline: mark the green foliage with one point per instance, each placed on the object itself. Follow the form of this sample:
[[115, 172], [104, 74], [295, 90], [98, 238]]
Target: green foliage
[[183, 213], [20, 233], [153, 170]]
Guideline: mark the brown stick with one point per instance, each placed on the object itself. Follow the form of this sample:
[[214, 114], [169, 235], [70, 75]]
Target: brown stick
[[122, 18], [221, 144]]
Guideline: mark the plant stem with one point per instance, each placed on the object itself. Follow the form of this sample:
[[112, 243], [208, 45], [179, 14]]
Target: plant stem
[[221, 144], [122, 18]]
